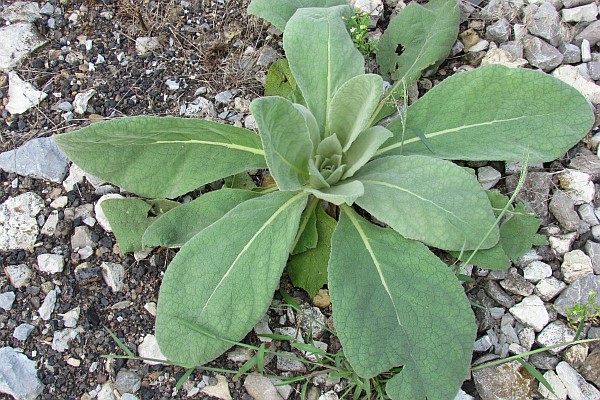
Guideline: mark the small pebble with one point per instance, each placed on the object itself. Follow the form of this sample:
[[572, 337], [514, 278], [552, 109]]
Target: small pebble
[[23, 331]]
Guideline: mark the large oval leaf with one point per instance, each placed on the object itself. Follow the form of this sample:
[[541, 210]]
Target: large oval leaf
[[430, 200], [278, 12], [161, 156], [222, 281], [396, 304], [352, 107], [494, 113], [286, 140], [177, 226], [321, 55], [424, 33]]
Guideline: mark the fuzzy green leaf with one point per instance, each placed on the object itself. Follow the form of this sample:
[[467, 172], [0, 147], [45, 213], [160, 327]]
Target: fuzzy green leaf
[[160, 157], [130, 217], [425, 34], [345, 192], [307, 236], [352, 106], [364, 147], [428, 199], [311, 124], [494, 113], [279, 80], [286, 140], [309, 269], [333, 59], [387, 315], [177, 226], [278, 12], [517, 235], [207, 302], [240, 181]]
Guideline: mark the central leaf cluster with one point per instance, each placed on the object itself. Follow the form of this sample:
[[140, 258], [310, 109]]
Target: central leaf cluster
[[327, 167], [319, 152]]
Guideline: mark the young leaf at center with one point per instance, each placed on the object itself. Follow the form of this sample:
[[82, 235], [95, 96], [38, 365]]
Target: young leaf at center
[[286, 140]]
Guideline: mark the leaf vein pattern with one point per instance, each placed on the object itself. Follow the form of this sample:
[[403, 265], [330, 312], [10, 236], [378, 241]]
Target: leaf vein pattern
[[227, 145], [288, 163], [367, 244], [451, 130], [433, 203], [281, 209]]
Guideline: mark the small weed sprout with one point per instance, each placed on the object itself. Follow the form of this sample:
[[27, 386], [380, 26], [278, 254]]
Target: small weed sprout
[[583, 312], [358, 26]]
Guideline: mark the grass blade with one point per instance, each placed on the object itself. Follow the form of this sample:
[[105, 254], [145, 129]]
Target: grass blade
[[184, 378], [536, 374], [119, 343]]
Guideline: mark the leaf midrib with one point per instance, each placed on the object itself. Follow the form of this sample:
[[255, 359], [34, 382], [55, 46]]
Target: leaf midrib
[[451, 130], [281, 209], [367, 244], [232, 146], [400, 188]]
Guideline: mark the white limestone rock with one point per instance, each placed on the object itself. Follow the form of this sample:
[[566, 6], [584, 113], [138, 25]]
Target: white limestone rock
[[503, 57], [113, 275], [576, 264], [587, 13], [577, 387], [100, 216], [22, 95], [61, 339], [22, 11], [531, 312], [559, 389], [556, 332], [18, 226], [18, 375], [18, 275], [578, 185], [572, 75], [50, 263], [81, 101], [549, 288], [18, 41], [47, 308], [536, 271], [6, 300], [220, 390], [146, 44], [149, 349]]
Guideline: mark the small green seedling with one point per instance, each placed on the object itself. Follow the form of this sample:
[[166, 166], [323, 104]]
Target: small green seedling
[[358, 26], [396, 305], [581, 313]]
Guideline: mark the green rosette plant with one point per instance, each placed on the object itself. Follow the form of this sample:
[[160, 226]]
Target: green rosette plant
[[395, 303]]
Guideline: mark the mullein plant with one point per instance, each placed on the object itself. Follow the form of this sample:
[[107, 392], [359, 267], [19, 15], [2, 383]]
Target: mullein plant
[[395, 303]]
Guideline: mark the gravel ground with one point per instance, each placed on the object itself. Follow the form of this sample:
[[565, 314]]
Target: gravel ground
[[208, 59]]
